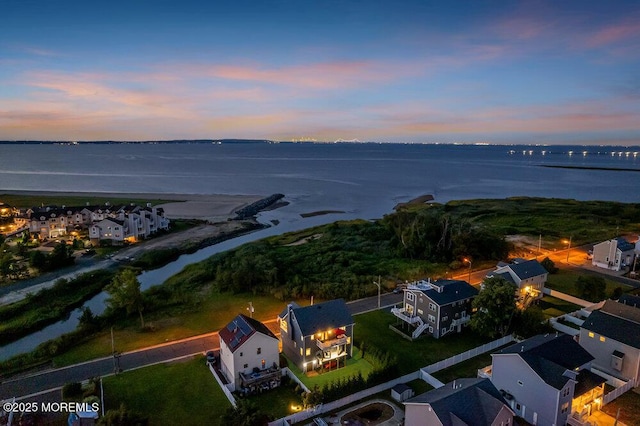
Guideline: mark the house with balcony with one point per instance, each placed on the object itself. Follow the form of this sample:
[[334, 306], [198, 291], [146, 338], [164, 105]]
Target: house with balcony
[[461, 402], [612, 335], [436, 308], [249, 355], [317, 337], [615, 254], [110, 229], [547, 380], [529, 276]]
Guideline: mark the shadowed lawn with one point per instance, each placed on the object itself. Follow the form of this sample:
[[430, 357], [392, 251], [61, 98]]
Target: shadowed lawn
[[214, 313], [279, 402], [565, 282], [373, 329], [183, 393], [553, 307], [30, 200], [629, 405]]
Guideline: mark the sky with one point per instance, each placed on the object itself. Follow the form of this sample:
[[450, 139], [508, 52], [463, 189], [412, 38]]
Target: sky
[[535, 72]]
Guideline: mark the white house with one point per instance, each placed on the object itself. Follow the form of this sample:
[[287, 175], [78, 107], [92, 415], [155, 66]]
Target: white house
[[249, 355], [613, 254], [528, 275], [109, 229]]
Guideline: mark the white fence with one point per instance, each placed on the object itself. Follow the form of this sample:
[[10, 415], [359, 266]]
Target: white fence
[[224, 388], [430, 379], [334, 405], [567, 297], [563, 328], [289, 373], [617, 392], [446, 363], [420, 374]]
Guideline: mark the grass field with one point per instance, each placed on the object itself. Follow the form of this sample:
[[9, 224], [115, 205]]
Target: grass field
[[354, 365], [213, 314], [373, 329], [182, 393], [553, 307], [279, 402], [565, 282], [629, 405]]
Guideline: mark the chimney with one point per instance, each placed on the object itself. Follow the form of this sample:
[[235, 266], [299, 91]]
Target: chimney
[[522, 348]]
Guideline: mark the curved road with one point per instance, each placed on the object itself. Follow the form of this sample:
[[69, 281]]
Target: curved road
[[46, 381]]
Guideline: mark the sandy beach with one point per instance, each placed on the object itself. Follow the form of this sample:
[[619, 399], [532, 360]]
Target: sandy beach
[[210, 207]]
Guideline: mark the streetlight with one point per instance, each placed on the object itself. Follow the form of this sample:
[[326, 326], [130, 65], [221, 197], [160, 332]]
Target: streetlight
[[378, 284], [468, 260], [569, 247]]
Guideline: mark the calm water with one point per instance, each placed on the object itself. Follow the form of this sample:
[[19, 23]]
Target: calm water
[[365, 181]]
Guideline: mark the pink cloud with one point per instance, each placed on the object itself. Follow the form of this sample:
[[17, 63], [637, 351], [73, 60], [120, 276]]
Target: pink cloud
[[622, 31]]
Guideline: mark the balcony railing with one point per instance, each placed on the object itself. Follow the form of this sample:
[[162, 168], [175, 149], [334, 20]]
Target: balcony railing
[[485, 373], [405, 316], [328, 344], [460, 321], [257, 377]]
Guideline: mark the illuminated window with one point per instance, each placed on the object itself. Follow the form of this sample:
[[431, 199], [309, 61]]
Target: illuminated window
[[565, 407], [300, 351], [308, 351], [602, 339], [591, 334]]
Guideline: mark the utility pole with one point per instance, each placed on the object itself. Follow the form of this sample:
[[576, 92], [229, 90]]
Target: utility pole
[[113, 353], [569, 249], [539, 245], [250, 309]]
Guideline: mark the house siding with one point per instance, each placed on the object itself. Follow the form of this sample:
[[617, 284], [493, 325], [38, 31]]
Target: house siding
[[533, 395], [602, 352], [233, 363]]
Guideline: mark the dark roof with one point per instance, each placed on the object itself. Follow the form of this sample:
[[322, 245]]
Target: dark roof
[[587, 381], [504, 275], [322, 316], [614, 327], [531, 268], [452, 291], [116, 221], [401, 387], [550, 356], [621, 310], [471, 402], [624, 245], [630, 300], [240, 329], [286, 309]]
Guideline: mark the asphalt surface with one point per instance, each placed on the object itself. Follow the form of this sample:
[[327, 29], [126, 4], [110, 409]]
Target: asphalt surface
[[46, 381]]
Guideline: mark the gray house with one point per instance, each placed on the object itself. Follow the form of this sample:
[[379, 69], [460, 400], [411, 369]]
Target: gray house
[[462, 402], [438, 308], [612, 336], [546, 379], [614, 254], [529, 276], [317, 337]]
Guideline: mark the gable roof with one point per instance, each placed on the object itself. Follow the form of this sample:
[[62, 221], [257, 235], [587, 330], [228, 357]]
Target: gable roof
[[464, 402], [240, 329], [450, 291], [550, 356], [624, 245], [621, 310], [528, 269], [630, 300], [613, 324], [322, 316]]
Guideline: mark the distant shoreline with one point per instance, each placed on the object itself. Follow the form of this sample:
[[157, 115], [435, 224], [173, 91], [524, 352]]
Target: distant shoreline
[[210, 207], [612, 169]]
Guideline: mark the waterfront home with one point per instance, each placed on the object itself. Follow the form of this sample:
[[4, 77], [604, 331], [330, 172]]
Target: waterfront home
[[249, 355], [461, 402], [612, 335], [614, 254], [547, 378], [317, 337], [529, 276], [53, 222], [438, 308], [110, 229]]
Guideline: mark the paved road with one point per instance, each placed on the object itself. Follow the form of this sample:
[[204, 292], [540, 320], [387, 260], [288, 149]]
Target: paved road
[[53, 379]]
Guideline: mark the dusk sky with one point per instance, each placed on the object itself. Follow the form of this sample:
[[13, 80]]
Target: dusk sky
[[393, 71]]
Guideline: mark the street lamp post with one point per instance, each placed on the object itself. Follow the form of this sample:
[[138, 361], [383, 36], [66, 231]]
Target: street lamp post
[[378, 284], [569, 248], [468, 260]]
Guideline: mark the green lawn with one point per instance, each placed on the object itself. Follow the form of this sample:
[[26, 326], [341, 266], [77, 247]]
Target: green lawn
[[553, 307], [279, 402], [213, 314], [355, 364], [565, 281], [183, 393], [419, 386], [26, 201], [373, 329]]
